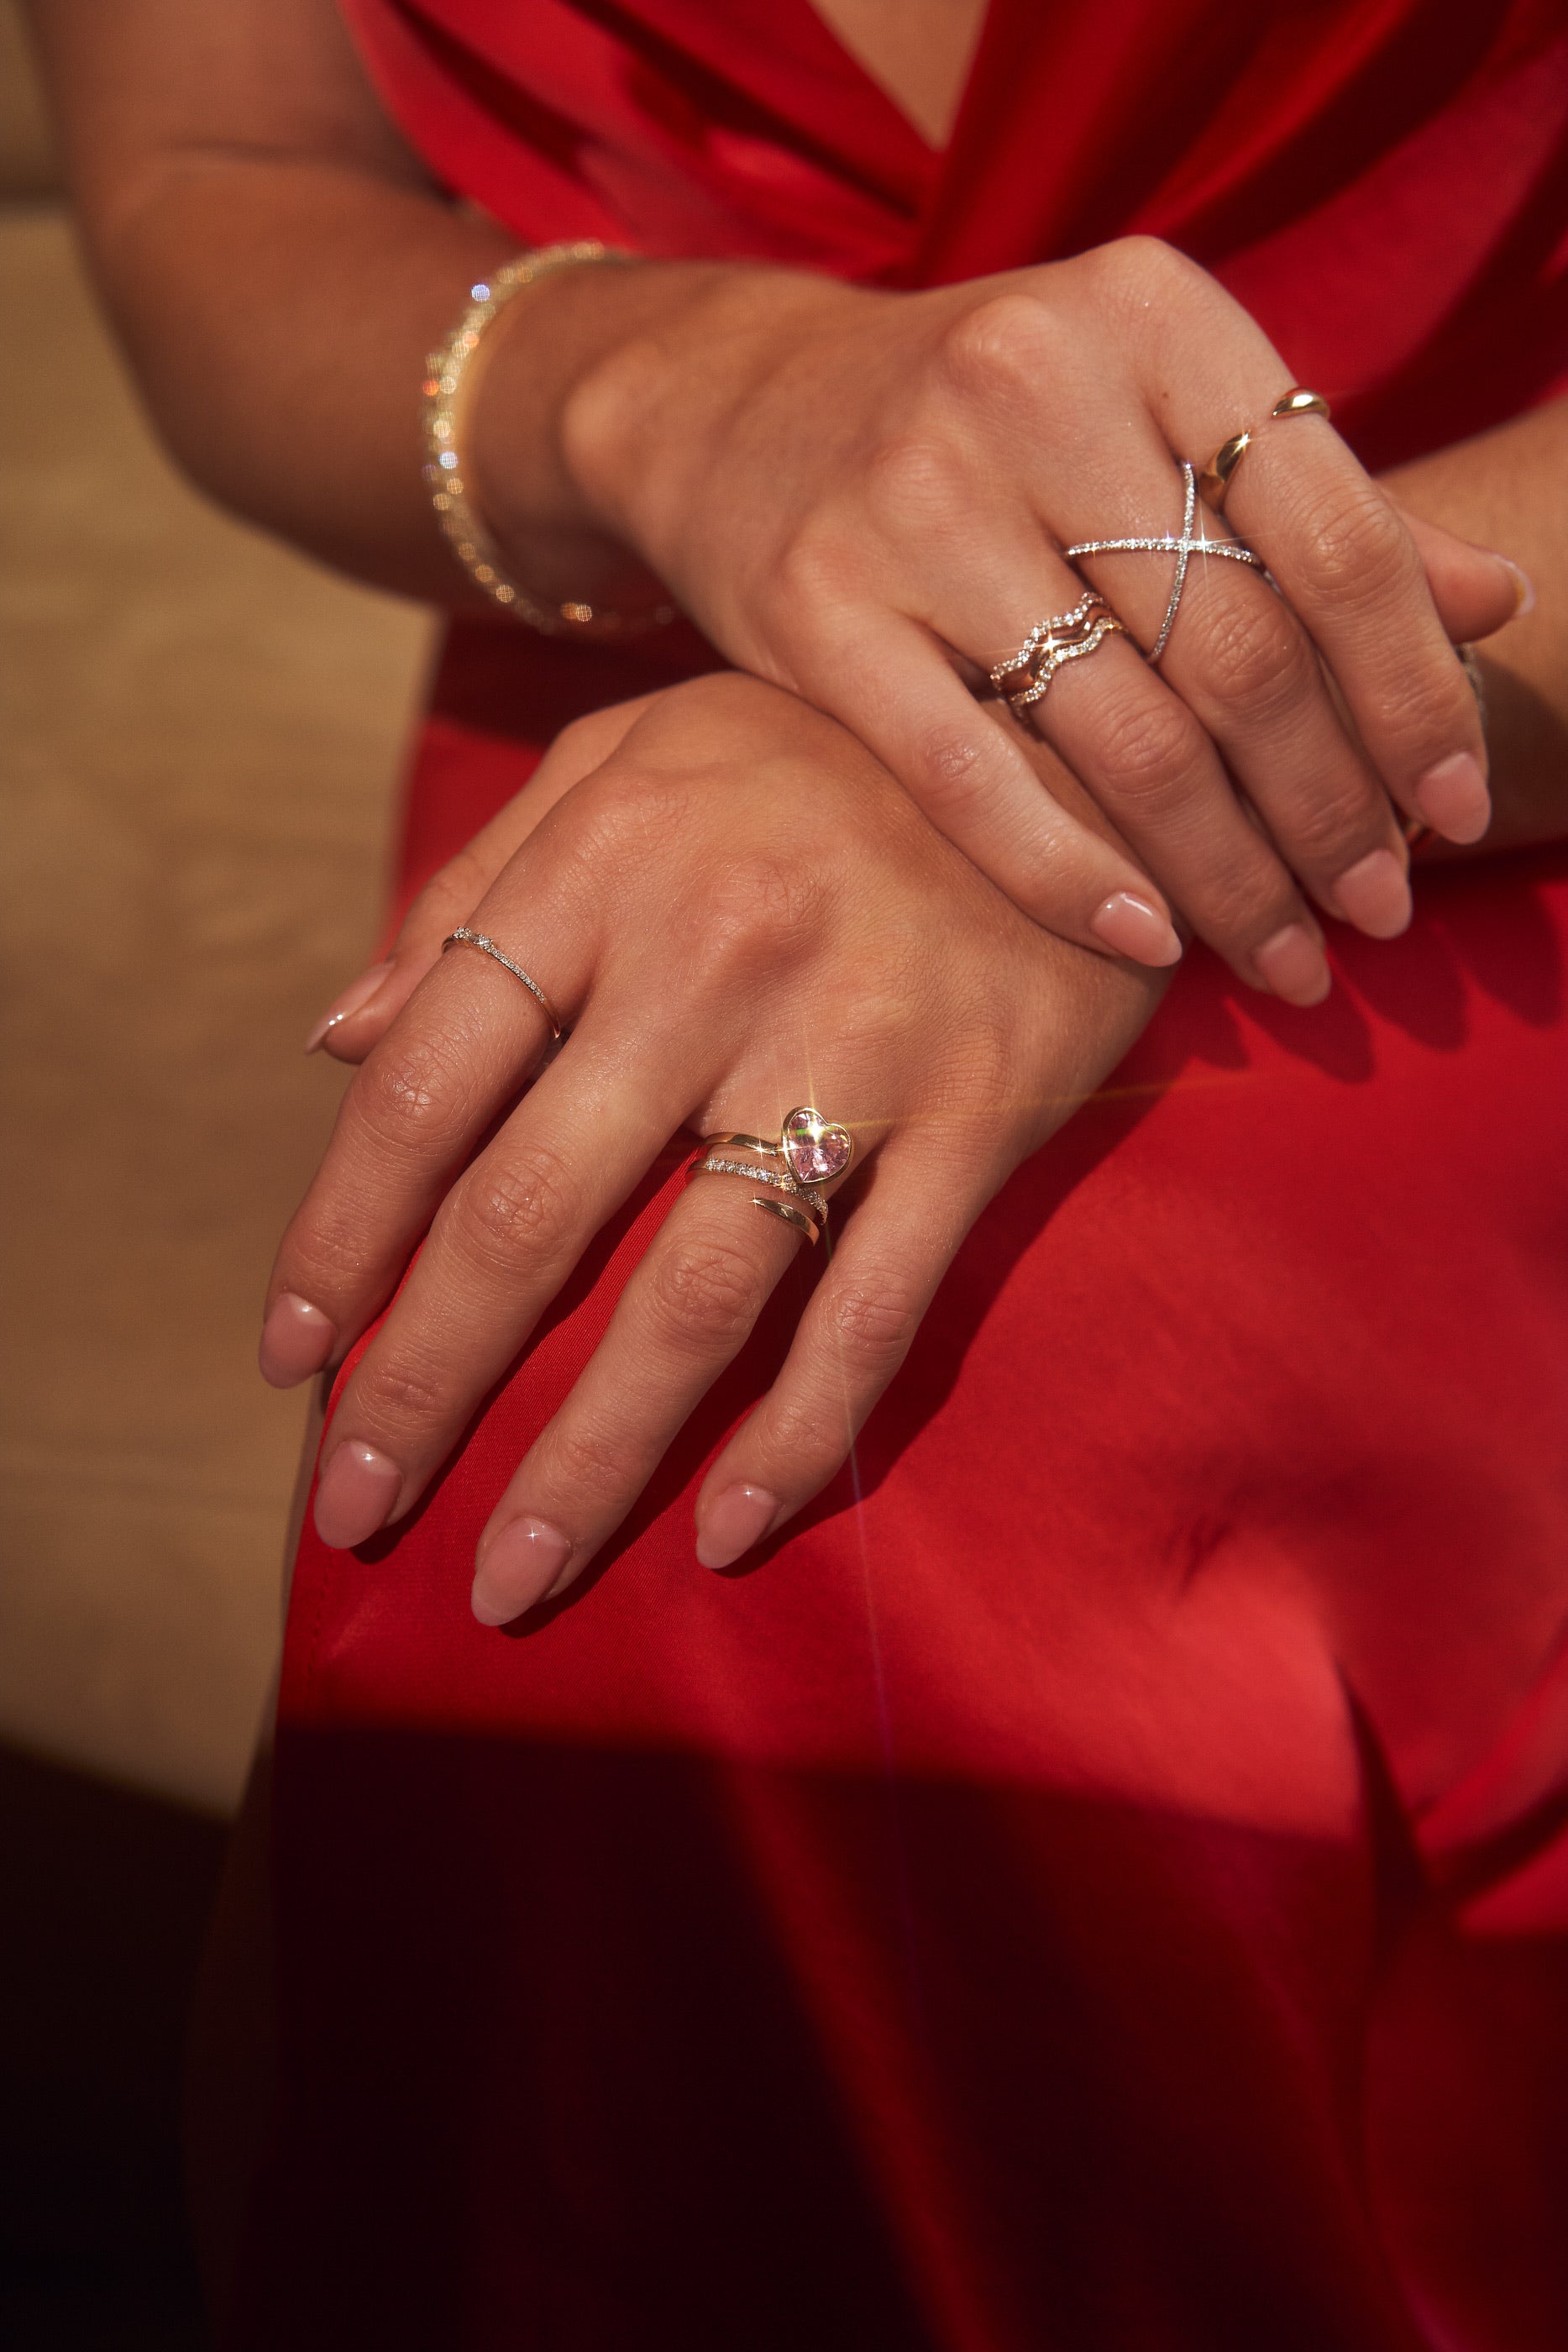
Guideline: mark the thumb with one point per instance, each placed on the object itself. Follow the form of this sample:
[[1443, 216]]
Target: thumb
[[357, 1021], [1475, 591]]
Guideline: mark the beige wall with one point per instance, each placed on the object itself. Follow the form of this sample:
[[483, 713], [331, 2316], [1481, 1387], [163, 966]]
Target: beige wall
[[201, 738]]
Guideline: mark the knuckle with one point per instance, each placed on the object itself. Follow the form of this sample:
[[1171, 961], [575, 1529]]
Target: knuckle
[[588, 1461], [913, 478], [1255, 659], [814, 575], [1360, 551], [1140, 271], [762, 913], [1340, 814], [396, 1392], [706, 1292], [1000, 344], [413, 1094], [1150, 749], [871, 1322], [522, 1208]]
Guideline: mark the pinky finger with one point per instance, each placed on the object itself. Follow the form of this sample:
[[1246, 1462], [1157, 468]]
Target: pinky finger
[[854, 1334]]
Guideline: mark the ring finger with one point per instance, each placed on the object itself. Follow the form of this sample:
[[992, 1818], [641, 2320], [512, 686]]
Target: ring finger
[[687, 1310]]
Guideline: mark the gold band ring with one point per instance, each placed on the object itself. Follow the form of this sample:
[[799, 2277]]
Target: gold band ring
[[464, 938], [813, 1149], [811, 1218], [1215, 481]]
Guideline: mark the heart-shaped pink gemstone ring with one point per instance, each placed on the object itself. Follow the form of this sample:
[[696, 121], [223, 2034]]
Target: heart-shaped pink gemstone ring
[[815, 1148]]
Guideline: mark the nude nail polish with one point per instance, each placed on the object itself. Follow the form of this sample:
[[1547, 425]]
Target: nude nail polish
[[521, 1564], [1294, 966], [297, 1339], [355, 1494], [1134, 927], [355, 997], [1374, 895], [1523, 588], [733, 1522], [1453, 799]]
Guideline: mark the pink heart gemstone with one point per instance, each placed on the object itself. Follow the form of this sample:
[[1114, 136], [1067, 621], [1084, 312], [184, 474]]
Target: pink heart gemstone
[[815, 1150]]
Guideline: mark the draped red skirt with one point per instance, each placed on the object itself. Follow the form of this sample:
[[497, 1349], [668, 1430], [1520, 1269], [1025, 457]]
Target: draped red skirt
[[1101, 1880]]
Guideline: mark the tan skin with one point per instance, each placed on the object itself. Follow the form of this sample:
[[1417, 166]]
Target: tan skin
[[278, 266]]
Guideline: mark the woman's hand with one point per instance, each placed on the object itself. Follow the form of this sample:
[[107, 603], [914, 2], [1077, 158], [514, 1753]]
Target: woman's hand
[[735, 910], [847, 489]]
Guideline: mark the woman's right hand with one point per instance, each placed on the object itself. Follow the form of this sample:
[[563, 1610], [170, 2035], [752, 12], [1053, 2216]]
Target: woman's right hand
[[736, 911], [852, 490]]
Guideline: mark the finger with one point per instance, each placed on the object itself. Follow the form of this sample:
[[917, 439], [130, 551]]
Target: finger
[[463, 1047], [361, 1016], [1343, 556], [684, 1316], [854, 1335], [1475, 591], [1250, 675], [978, 788], [1154, 768], [507, 1237], [1138, 749]]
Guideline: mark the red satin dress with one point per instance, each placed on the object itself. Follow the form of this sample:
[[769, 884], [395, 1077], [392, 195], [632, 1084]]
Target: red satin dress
[[1101, 1880]]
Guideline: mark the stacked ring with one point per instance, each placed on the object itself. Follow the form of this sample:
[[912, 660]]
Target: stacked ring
[[1024, 676], [1214, 481], [812, 1151]]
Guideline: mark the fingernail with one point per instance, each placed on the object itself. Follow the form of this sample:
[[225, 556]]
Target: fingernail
[[1453, 798], [1374, 895], [356, 1493], [296, 1340], [1136, 928], [357, 994], [520, 1564], [733, 1522], [1523, 588], [1294, 965]]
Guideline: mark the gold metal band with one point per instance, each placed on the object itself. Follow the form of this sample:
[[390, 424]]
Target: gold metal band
[[743, 1143], [1214, 482], [813, 1150], [464, 938], [792, 1216], [450, 381]]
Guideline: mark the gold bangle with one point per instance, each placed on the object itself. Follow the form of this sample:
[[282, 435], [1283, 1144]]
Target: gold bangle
[[447, 392]]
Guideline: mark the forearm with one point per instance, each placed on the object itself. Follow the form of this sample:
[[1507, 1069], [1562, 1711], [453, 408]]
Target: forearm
[[1509, 488], [278, 269]]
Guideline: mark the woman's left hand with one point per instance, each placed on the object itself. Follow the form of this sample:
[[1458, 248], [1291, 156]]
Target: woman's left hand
[[735, 910]]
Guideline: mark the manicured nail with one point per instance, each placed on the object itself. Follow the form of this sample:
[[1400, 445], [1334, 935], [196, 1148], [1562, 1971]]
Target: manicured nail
[[1374, 895], [357, 994], [296, 1340], [355, 1495], [733, 1522], [1523, 588], [520, 1564], [1453, 798], [1134, 927], [1294, 965]]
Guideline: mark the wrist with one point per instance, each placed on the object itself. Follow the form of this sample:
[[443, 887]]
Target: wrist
[[645, 412], [538, 351]]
